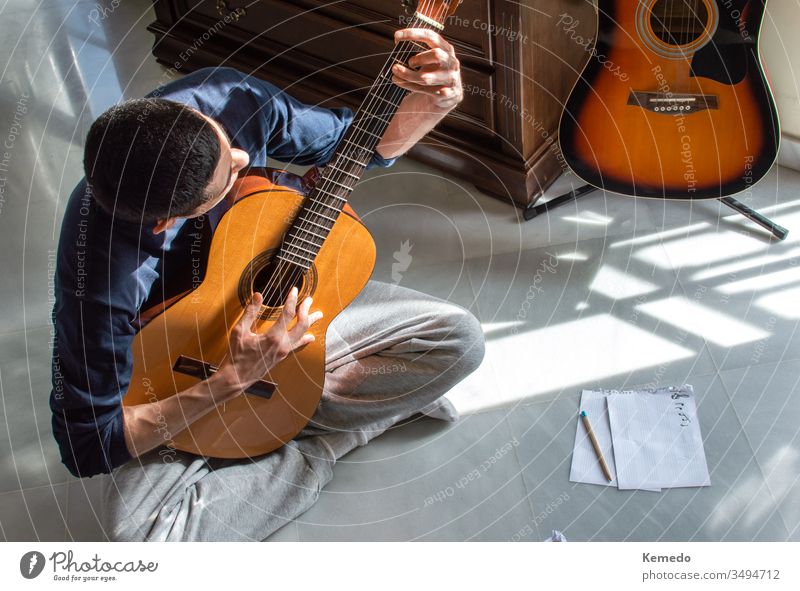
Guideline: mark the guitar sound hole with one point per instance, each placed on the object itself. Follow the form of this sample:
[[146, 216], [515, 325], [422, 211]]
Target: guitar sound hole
[[275, 281], [679, 22], [264, 274]]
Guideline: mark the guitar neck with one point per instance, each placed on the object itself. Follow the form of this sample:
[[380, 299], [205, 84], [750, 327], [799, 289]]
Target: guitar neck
[[340, 175]]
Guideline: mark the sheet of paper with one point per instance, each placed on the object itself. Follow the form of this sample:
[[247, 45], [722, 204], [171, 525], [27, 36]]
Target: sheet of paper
[[656, 439], [585, 466]]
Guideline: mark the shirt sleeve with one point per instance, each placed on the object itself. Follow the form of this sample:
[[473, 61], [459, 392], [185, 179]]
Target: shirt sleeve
[[92, 363], [298, 133]]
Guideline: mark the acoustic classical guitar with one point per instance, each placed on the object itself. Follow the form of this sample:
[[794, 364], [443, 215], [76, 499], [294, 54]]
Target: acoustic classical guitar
[[272, 239], [673, 102]]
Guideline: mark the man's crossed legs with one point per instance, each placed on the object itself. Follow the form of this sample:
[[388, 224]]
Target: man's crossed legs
[[394, 352]]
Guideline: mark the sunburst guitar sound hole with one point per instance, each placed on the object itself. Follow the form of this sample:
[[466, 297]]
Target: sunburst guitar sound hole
[[677, 28], [678, 23]]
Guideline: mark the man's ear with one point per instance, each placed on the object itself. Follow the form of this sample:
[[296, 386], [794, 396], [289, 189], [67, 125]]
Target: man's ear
[[164, 225]]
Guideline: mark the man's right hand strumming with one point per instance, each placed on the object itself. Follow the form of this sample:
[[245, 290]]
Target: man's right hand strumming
[[251, 356]]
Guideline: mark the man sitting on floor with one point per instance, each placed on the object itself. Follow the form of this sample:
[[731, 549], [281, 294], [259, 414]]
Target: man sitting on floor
[[158, 170]]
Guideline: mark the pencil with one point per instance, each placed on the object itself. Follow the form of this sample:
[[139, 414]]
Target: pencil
[[596, 446]]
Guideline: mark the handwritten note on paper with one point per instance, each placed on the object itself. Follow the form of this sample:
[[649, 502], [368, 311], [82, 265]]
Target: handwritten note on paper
[[656, 439]]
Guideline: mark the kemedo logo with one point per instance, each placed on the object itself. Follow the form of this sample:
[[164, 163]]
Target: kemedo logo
[[31, 564]]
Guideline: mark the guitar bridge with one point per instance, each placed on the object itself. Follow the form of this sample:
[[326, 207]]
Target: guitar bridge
[[673, 103], [202, 371]]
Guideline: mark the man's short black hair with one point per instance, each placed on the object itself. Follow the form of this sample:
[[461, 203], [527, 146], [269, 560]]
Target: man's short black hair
[[150, 159]]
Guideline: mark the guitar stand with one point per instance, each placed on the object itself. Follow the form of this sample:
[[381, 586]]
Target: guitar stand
[[777, 231]]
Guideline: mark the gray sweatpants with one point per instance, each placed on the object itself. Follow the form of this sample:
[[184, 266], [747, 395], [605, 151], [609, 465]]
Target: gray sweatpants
[[391, 354]]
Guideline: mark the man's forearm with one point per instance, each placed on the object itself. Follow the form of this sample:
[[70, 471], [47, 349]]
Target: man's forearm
[[414, 118], [149, 425]]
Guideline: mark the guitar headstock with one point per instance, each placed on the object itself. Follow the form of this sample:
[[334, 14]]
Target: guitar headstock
[[436, 10]]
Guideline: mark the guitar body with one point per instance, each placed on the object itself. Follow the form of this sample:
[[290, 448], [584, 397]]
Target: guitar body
[[198, 325], [673, 102]]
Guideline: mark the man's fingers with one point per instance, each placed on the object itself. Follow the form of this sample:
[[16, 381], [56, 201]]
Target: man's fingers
[[433, 57], [252, 310], [430, 38], [302, 316], [289, 310], [424, 77], [303, 325]]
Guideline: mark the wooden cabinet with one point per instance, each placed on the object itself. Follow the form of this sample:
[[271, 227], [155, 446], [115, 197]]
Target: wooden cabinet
[[519, 60]]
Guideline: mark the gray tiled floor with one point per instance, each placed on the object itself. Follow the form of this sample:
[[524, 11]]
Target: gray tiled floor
[[606, 292]]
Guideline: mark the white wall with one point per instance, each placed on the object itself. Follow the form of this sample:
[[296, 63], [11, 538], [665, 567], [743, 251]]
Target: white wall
[[780, 50]]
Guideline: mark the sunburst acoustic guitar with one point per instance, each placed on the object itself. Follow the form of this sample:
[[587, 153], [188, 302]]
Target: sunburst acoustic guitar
[[673, 102], [272, 239]]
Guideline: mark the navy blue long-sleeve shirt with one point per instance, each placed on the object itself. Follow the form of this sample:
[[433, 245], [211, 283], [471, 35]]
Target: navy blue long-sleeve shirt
[[108, 269]]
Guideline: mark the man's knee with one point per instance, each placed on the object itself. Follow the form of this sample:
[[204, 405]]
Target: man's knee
[[466, 335]]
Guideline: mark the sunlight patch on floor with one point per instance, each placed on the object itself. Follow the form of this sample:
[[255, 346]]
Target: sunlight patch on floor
[[618, 285], [703, 321], [785, 303], [762, 282], [574, 353], [699, 250]]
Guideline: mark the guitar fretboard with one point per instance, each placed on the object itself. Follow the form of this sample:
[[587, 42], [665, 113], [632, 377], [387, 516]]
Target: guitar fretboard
[[325, 202]]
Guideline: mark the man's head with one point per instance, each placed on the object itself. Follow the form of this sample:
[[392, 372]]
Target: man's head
[[154, 161]]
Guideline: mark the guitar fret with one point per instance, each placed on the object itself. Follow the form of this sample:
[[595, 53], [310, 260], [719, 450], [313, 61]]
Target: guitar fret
[[368, 132], [343, 171], [311, 252], [388, 102], [375, 117], [307, 231], [335, 196], [305, 221], [304, 266], [350, 158], [295, 237], [420, 45], [323, 204], [357, 146], [327, 180], [322, 215]]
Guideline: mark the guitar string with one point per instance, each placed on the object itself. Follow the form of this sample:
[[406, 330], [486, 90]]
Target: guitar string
[[294, 270], [278, 279], [365, 126]]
